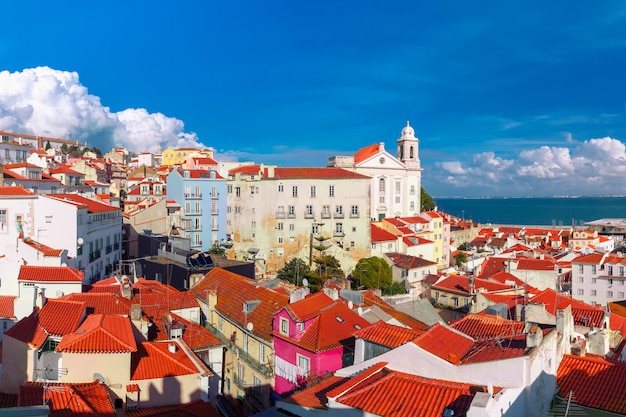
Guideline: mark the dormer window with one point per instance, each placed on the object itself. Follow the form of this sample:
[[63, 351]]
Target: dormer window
[[284, 326]]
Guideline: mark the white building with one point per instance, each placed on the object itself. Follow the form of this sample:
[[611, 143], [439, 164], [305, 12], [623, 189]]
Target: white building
[[396, 180], [598, 279], [275, 214]]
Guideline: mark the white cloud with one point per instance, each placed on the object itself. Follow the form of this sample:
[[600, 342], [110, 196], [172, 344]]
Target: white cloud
[[47, 102], [593, 167]]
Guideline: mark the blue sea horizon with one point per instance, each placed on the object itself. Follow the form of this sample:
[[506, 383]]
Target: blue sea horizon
[[540, 211]]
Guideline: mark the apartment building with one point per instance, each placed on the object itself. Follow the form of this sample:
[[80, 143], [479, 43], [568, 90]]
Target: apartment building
[[599, 278], [274, 214]]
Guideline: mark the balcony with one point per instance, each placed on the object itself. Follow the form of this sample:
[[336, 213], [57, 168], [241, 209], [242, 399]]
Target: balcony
[[338, 233], [215, 196], [309, 215], [263, 369], [109, 249], [116, 246], [326, 215], [94, 255], [291, 215], [339, 215], [281, 215], [354, 215], [192, 196]]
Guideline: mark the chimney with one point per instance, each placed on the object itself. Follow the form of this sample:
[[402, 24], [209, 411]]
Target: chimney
[[534, 337], [172, 347], [41, 298]]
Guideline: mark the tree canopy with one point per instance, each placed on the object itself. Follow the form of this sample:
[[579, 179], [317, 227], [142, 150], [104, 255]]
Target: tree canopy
[[372, 272], [294, 270], [327, 266], [428, 203]]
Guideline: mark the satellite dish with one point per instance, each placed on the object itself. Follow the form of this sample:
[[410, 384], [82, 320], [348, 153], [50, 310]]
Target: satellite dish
[[99, 377], [350, 304], [80, 241], [59, 294], [250, 326], [305, 282]]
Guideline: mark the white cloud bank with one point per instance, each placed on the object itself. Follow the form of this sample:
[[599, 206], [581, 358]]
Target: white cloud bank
[[593, 167], [46, 102]]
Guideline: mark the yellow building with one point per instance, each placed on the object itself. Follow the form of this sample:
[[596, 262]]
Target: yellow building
[[172, 156]]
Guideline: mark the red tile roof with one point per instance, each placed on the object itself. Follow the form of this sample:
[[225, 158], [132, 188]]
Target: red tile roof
[[366, 153], [100, 334], [408, 261], [28, 331], [460, 284], [61, 317], [314, 173], [154, 360], [232, 291], [92, 206], [332, 325], [381, 391], [593, 382], [50, 274], [380, 235], [487, 326], [309, 307], [13, 191], [102, 303], [584, 314], [445, 343], [45, 250], [7, 306], [196, 336], [65, 400], [387, 334], [536, 264]]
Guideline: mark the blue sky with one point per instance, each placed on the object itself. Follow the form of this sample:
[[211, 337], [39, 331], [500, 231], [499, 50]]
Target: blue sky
[[507, 98]]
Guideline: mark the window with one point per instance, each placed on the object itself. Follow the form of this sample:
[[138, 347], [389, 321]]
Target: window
[[279, 226], [253, 224], [412, 205], [331, 190], [593, 280], [303, 364], [301, 327], [309, 211], [609, 294], [381, 185], [397, 199], [593, 269], [610, 270], [291, 211], [339, 229], [339, 211], [281, 188], [593, 293], [245, 342], [398, 187], [284, 326], [315, 228], [581, 291], [292, 227], [352, 244], [261, 353], [229, 189], [241, 373], [621, 271], [581, 279], [412, 192], [280, 240], [581, 268], [313, 191], [294, 191], [620, 295], [610, 281], [3, 220], [354, 211]]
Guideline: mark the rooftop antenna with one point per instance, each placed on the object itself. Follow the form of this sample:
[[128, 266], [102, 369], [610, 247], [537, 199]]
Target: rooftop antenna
[[46, 387]]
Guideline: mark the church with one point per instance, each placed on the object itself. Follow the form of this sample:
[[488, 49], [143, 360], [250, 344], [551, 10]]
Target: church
[[396, 179]]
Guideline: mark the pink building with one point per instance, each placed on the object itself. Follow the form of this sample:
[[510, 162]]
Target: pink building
[[312, 337]]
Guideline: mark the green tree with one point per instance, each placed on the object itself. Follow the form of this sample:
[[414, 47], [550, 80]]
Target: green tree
[[217, 250], [460, 259], [328, 266], [428, 203], [294, 271], [395, 288], [48, 146], [64, 148], [372, 272]]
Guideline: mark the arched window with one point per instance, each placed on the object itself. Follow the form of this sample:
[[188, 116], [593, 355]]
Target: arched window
[[381, 185], [411, 152], [400, 152]]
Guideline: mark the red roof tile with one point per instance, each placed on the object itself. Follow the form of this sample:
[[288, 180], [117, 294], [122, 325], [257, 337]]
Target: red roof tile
[[7, 306], [65, 400], [154, 360], [536, 264], [445, 343], [232, 291], [102, 303], [60, 317], [50, 274], [460, 284], [408, 261], [45, 250], [593, 382], [100, 334], [309, 307], [28, 331], [487, 327], [315, 396], [13, 191], [366, 153], [93, 206], [381, 235], [315, 173], [553, 301], [387, 334]]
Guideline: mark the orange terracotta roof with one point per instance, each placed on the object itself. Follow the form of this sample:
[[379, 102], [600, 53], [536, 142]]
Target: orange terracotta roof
[[366, 153], [28, 331], [75, 399], [102, 302], [61, 317], [593, 382], [7, 306], [408, 261], [584, 314], [232, 291], [460, 284], [536, 264], [445, 343], [315, 396], [380, 235], [93, 206], [505, 277], [50, 274], [100, 334], [487, 326], [309, 307], [45, 250], [17, 190], [154, 360], [314, 173], [387, 334], [197, 336], [332, 325]]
